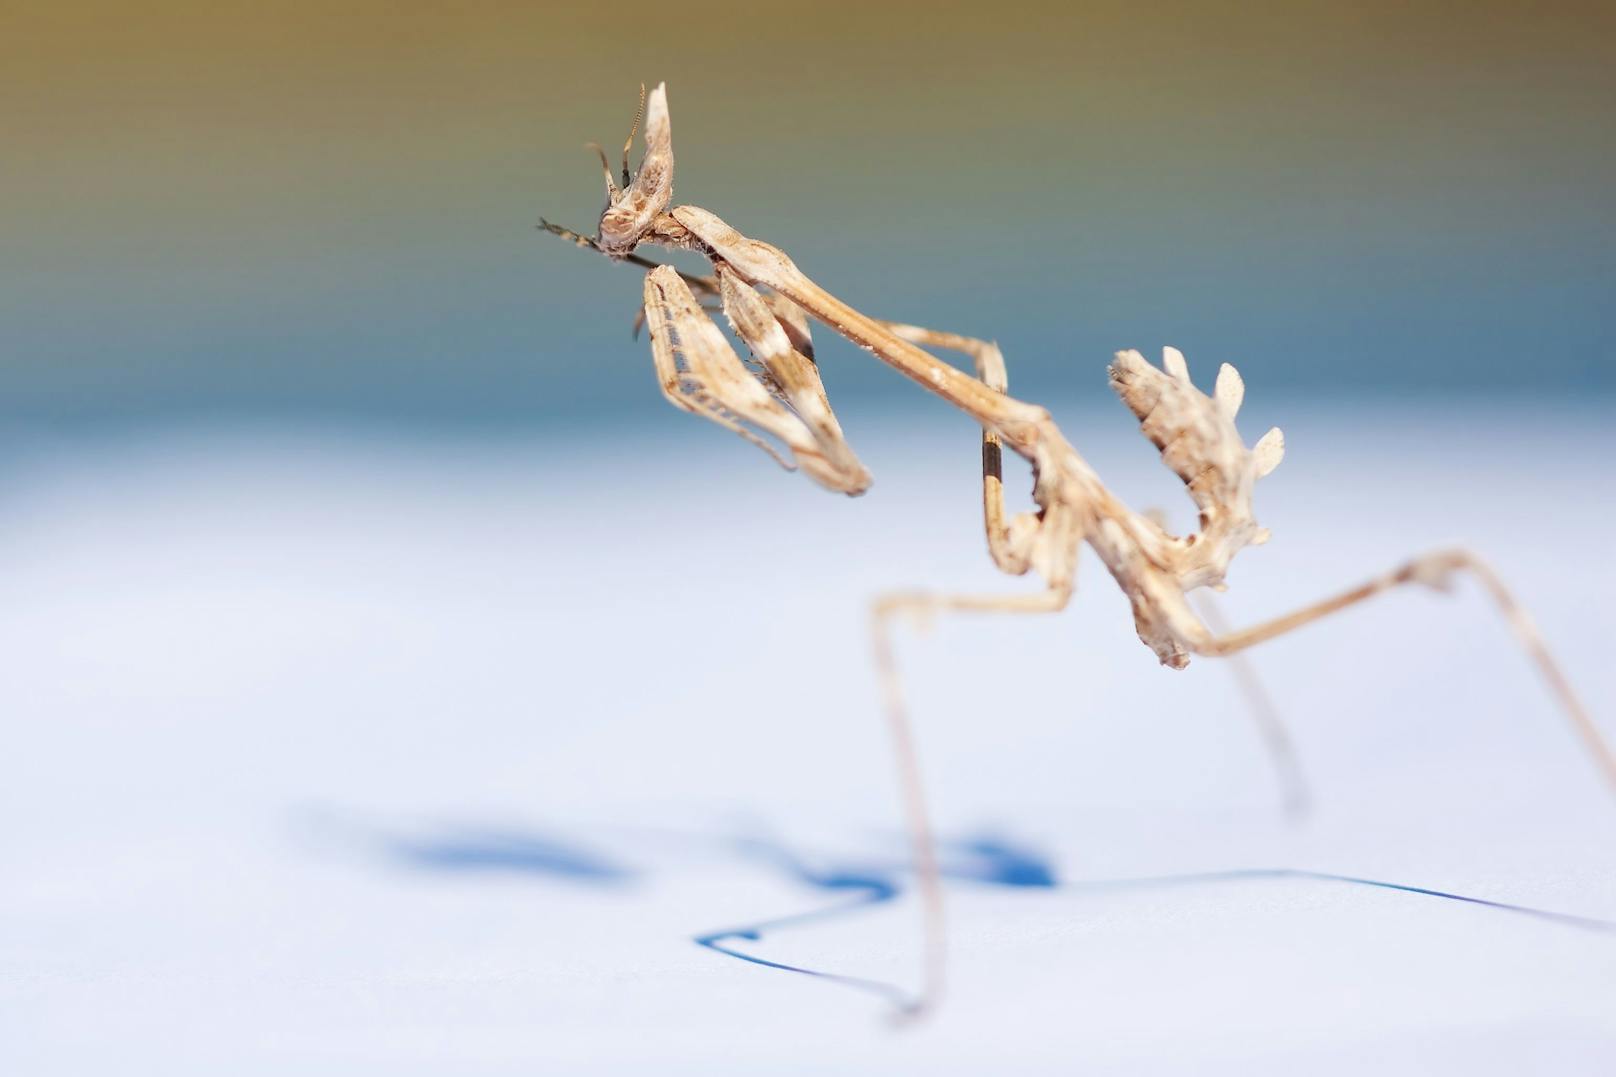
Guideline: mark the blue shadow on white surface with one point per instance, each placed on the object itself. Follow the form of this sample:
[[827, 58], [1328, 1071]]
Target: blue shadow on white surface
[[491, 849], [983, 859]]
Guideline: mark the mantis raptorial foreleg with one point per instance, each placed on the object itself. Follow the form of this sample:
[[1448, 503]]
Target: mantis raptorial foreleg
[[797, 379], [696, 368], [700, 373]]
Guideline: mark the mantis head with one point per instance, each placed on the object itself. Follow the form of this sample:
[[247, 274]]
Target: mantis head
[[632, 208]]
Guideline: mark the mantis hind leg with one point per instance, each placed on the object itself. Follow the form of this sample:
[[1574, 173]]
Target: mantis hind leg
[[1434, 570], [1271, 726]]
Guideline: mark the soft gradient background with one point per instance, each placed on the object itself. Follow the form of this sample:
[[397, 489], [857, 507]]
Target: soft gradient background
[[395, 684], [302, 208]]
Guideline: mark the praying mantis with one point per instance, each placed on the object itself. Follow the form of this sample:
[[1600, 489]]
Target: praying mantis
[[778, 393]]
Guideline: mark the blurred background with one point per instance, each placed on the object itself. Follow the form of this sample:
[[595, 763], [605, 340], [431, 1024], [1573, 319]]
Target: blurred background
[[216, 210], [395, 682]]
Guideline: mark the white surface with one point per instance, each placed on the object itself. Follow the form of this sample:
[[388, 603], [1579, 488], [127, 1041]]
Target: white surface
[[243, 671]]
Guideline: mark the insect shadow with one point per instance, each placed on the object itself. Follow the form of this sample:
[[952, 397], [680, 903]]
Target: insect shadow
[[859, 884], [474, 848], [490, 849]]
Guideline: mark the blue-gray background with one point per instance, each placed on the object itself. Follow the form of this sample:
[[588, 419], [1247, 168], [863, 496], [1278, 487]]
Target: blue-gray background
[[218, 211]]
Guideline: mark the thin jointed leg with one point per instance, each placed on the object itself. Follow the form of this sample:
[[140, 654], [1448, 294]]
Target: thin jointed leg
[[909, 778], [990, 369], [1435, 570], [1270, 725]]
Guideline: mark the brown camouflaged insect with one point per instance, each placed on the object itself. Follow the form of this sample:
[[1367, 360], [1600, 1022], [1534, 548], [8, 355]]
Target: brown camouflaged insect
[[768, 302]]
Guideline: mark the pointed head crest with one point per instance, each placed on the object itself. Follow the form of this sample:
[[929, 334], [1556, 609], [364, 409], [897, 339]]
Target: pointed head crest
[[644, 195]]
